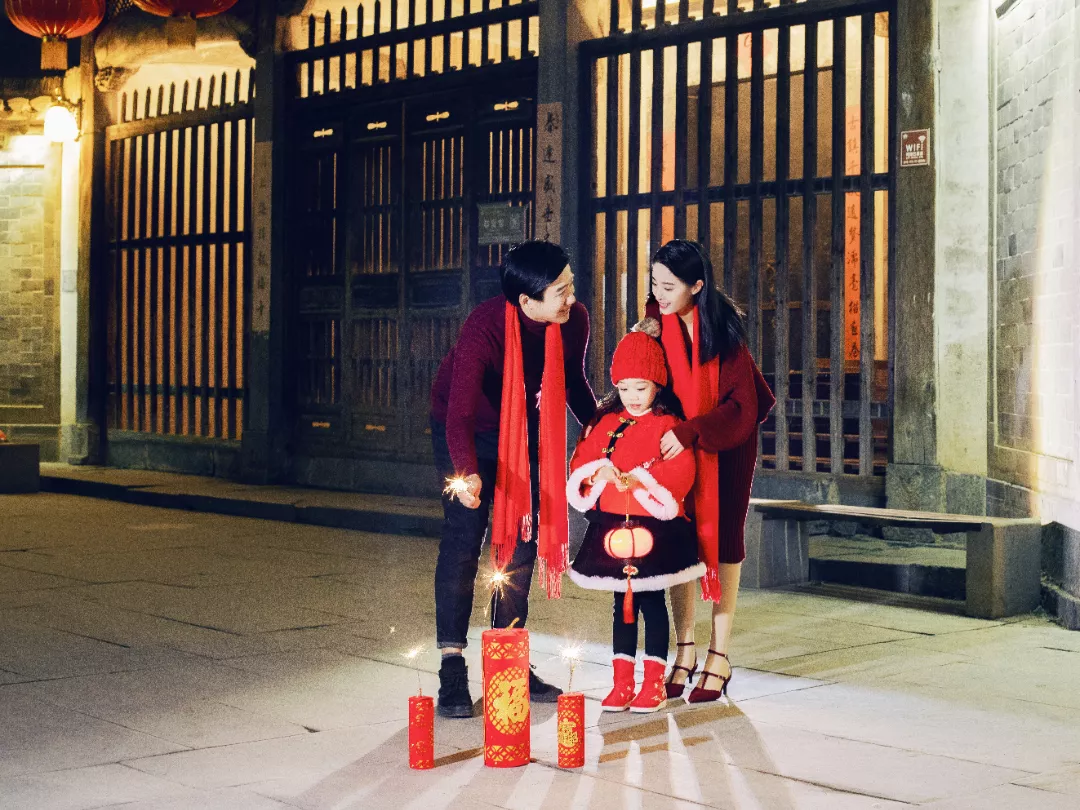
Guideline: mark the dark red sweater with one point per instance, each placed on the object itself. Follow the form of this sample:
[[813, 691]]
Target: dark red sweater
[[467, 393]]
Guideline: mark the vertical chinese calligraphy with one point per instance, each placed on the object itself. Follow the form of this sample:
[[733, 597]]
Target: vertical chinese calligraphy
[[852, 230], [549, 171]]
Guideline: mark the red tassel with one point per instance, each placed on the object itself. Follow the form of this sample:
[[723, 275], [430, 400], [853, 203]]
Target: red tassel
[[628, 604]]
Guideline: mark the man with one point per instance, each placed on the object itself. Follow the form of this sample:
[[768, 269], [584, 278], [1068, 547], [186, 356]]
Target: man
[[487, 407]]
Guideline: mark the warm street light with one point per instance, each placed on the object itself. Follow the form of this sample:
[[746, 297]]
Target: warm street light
[[60, 123]]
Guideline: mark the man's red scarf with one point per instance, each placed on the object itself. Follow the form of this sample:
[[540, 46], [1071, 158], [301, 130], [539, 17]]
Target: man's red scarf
[[512, 520], [698, 390]]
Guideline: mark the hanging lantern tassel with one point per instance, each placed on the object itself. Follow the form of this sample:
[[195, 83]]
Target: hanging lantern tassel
[[180, 31], [628, 597], [54, 53], [55, 22]]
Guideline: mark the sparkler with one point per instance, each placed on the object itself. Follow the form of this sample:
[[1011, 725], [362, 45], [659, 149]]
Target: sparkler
[[497, 581], [456, 486], [571, 654], [411, 657]]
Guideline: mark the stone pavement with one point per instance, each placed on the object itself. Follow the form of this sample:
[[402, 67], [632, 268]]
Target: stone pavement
[[159, 659]]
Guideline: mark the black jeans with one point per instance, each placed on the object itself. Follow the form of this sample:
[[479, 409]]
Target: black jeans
[[462, 539], [652, 606]]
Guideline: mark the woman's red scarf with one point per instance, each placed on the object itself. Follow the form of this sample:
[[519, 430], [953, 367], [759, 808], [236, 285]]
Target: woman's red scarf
[[698, 390], [513, 491]]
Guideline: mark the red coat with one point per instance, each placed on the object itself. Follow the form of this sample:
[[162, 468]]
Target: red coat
[[731, 431], [665, 484]]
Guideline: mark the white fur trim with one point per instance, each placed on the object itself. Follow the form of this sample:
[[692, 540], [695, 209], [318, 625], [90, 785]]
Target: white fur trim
[[657, 500], [655, 660], [583, 503], [623, 657], [660, 582]]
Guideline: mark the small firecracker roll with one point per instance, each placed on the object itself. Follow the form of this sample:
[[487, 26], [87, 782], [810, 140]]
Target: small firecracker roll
[[506, 698], [572, 730], [421, 732]]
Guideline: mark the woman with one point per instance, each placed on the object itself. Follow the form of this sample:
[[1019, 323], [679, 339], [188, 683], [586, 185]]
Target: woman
[[725, 399]]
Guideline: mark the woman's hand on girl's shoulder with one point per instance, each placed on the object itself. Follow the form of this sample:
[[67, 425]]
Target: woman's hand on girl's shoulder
[[670, 446]]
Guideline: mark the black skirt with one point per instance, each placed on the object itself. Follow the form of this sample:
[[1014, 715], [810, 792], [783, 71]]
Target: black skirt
[[672, 561]]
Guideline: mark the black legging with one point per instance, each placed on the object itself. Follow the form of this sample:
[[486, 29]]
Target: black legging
[[652, 606]]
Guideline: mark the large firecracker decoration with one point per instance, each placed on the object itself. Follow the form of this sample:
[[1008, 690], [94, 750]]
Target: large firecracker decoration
[[55, 22], [421, 732], [572, 730], [506, 698], [628, 541]]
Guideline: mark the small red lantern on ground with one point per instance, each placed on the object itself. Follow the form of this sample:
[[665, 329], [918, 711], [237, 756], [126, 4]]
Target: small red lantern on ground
[[55, 22]]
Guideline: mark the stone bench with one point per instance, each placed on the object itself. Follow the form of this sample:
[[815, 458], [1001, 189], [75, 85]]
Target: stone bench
[[1003, 572], [19, 468]]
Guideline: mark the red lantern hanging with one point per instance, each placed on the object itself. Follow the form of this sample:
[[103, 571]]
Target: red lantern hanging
[[628, 541], [185, 8], [55, 22], [181, 16]]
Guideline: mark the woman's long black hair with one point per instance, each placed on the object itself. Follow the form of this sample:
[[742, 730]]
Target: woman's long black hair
[[722, 325]]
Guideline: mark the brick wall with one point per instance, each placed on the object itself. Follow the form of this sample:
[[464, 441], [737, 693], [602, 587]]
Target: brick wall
[[1036, 280], [26, 346]]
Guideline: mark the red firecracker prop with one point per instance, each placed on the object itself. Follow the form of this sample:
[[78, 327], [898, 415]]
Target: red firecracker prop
[[628, 542], [55, 22], [572, 730], [421, 732], [506, 698]]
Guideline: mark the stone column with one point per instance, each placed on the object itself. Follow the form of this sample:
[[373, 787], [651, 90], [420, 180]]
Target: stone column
[[83, 284], [263, 447]]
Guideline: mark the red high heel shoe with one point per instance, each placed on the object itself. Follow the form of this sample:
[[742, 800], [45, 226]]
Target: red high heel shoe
[[675, 690], [701, 695]]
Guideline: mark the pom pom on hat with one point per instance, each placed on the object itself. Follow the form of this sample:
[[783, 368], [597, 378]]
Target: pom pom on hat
[[639, 357]]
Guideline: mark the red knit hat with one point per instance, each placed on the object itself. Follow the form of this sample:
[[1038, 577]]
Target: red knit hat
[[639, 357]]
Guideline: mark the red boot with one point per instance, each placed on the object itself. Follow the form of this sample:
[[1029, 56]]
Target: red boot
[[652, 696], [622, 693]]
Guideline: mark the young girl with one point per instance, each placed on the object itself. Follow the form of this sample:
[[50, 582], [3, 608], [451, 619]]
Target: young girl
[[617, 474]]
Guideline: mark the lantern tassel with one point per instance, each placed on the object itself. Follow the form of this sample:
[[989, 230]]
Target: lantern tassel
[[628, 603], [54, 53]]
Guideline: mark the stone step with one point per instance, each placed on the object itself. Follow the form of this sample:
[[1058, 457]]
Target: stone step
[[385, 514]]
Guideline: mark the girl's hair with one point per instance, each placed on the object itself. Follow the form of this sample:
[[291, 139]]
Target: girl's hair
[[665, 403], [722, 324]]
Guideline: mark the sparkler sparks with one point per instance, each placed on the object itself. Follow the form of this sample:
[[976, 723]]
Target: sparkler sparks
[[571, 654], [411, 657], [497, 580], [456, 486]]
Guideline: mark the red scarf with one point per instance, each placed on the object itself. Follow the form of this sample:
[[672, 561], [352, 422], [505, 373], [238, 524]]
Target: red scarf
[[513, 491], [698, 389]]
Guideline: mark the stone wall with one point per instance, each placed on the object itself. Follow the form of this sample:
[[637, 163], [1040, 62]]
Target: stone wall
[[27, 291], [1034, 458]]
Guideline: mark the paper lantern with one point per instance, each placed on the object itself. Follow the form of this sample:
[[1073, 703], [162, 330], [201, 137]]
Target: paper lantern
[[627, 542], [421, 732], [185, 8], [571, 730], [506, 698], [55, 22]]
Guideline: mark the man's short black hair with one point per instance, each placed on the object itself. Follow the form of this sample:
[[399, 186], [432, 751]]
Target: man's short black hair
[[530, 268]]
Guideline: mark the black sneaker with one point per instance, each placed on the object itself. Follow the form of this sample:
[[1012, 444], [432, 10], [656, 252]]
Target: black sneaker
[[541, 691], [454, 699]]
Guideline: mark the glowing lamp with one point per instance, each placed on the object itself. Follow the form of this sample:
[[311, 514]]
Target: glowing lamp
[[55, 22], [628, 541], [60, 124]]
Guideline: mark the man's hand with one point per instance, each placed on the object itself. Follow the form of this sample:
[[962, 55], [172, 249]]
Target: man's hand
[[670, 446], [470, 497]]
